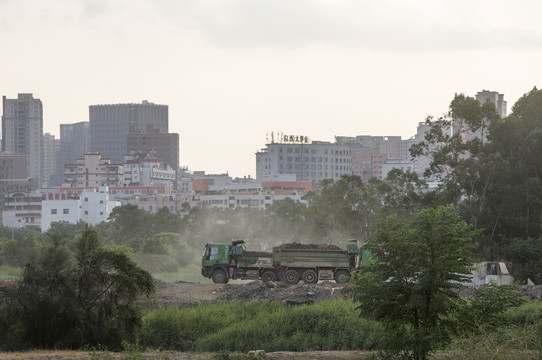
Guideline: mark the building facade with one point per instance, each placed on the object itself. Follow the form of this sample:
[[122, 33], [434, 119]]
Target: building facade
[[92, 207], [50, 147], [162, 146], [22, 209], [308, 160], [22, 130], [93, 171], [109, 125], [74, 144], [13, 176], [149, 172]]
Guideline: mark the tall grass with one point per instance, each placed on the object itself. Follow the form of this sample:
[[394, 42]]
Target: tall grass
[[519, 337], [272, 326]]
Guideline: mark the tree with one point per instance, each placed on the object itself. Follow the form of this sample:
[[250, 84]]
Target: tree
[[71, 300], [410, 287], [130, 226]]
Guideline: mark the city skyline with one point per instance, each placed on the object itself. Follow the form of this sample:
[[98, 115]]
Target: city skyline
[[232, 72]]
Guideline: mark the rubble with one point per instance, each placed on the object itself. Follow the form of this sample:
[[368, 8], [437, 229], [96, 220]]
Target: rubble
[[278, 291]]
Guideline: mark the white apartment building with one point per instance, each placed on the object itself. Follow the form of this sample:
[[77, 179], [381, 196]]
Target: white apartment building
[[93, 206], [308, 160], [149, 172], [258, 201]]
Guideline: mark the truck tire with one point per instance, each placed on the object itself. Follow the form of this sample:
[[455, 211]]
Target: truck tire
[[290, 277], [342, 276], [269, 276], [310, 277], [219, 276]]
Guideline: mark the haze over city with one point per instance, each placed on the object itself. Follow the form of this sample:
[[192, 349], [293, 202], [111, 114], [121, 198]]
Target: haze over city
[[233, 71]]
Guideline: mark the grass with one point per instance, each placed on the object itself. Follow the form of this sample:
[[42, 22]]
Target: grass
[[272, 326], [8, 272]]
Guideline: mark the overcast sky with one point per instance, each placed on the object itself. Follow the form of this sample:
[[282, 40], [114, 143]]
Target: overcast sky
[[233, 71]]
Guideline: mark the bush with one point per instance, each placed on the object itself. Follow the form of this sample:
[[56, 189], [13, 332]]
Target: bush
[[488, 307]]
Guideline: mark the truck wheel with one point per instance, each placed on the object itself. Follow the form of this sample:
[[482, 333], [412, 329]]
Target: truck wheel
[[342, 276], [269, 276], [219, 276], [310, 277], [290, 277]]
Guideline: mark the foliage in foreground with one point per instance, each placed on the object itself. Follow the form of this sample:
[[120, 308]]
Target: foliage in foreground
[[72, 300], [410, 287], [333, 325], [237, 326]]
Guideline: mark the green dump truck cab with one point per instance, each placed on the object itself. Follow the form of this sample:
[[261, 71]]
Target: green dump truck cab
[[288, 262]]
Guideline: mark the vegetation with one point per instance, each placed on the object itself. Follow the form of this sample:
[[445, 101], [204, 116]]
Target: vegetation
[[237, 326], [410, 288], [74, 299]]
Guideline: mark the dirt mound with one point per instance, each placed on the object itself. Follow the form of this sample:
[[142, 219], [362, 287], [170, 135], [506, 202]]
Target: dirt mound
[[277, 291], [297, 246]]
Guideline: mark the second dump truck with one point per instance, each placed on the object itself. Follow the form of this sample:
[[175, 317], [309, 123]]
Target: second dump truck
[[288, 262]]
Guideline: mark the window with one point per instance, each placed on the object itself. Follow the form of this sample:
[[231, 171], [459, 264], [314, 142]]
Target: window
[[86, 199], [65, 211], [53, 211], [101, 212], [86, 212], [101, 201]]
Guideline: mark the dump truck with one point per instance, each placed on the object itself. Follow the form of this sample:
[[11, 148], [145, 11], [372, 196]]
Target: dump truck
[[288, 262]]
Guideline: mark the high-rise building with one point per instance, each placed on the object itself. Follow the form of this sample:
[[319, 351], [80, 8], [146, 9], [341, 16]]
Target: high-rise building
[[495, 98], [74, 143], [50, 147], [109, 125], [22, 130]]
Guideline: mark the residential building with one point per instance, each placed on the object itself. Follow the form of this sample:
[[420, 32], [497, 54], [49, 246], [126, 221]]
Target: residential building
[[93, 171], [122, 193], [162, 146], [110, 124], [259, 201], [22, 130], [13, 176], [92, 207], [148, 172], [152, 203]]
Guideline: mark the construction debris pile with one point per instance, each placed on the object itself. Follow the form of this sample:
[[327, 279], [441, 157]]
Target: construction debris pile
[[277, 291]]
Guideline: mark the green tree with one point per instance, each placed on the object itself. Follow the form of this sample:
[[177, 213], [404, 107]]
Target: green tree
[[410, 288], [71, 300], [130, 226]]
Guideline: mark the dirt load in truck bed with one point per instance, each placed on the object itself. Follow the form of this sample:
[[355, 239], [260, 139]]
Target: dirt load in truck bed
[[296, 246]]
